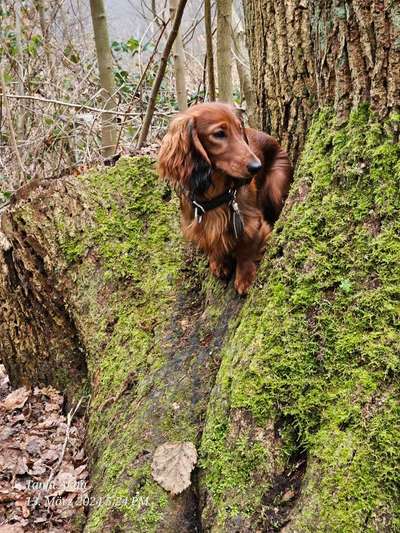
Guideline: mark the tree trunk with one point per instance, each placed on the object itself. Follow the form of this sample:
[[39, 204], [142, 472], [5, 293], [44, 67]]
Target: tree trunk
[[282, 64], [96, 291], [224, 50], [20, 122], [300, 432], [178, 54], [242, 66], [305, 55], [210, 52], [105, 63]]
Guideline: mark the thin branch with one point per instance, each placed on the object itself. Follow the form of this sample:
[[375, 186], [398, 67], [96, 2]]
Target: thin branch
[[139, 84], [160, 74], [70, 417], [69, 104], [10, 124]]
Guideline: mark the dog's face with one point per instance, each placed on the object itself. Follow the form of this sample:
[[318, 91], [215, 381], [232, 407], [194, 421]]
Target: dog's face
[[205, 138]]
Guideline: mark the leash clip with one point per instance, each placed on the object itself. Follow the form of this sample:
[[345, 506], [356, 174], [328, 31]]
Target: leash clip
[[198, 215], [238, 224]]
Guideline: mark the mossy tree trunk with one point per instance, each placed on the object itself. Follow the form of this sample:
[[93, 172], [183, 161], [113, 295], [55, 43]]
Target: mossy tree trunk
[[300, 432], [98, 295]]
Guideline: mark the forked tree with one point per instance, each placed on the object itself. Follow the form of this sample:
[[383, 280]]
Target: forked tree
[[291, 397]]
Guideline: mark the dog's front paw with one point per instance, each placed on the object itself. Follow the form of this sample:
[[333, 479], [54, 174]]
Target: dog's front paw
[[220, 269], [245, 276], [242, 286]]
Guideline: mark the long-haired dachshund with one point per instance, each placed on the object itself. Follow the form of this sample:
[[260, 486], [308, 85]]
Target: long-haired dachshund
[[232, 182]]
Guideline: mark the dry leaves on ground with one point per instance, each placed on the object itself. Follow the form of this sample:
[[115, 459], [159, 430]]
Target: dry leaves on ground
[[32, 434]]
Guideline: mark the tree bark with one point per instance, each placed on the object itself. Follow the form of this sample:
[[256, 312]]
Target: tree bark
[[105, 63], [281, 59], [305, 55], [178, 54], [224, 50], [243, 68], [210, 52]]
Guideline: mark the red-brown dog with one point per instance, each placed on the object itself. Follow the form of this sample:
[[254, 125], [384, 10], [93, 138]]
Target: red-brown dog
[[232, 183]]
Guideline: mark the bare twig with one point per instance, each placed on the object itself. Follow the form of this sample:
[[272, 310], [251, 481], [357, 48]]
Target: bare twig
[[160, 74], [10, 124], [68, 104], [70, 417]]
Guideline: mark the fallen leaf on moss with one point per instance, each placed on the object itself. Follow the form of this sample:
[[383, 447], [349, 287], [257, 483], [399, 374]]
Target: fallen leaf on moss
[[172, 465]]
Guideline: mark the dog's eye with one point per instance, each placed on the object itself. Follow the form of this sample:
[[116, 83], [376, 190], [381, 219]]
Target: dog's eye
[[220, 134]]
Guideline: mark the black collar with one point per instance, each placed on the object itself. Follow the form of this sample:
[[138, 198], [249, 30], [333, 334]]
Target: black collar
[[227, 197], [208, 205]]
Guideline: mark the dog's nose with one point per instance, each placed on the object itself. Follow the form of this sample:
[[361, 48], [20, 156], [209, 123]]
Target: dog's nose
[[254, 166]]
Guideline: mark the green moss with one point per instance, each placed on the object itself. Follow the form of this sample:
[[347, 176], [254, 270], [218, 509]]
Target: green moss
[[136, 292], [317, 344], [125, 290]]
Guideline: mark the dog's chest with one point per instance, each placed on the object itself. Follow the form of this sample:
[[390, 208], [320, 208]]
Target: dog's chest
[[214, 233]]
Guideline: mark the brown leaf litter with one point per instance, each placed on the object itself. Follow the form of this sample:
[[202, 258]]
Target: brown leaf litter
[[43, 468]]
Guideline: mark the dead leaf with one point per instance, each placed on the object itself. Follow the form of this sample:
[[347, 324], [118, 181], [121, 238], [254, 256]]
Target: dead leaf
[[172, 465], [6, 432], [14, 461], [80, 469], [66, 482], [11, 529], [38, 469], [289, 495], [24, 507], [79, 455], [16, 399]]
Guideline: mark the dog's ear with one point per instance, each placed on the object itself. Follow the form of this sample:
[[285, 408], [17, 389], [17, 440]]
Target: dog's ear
[[200, 179], [183, 160]]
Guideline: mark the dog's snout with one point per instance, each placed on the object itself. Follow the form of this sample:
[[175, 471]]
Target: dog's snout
[[254, 166]]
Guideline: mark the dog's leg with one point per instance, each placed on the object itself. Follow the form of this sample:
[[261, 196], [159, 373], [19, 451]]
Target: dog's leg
[[248, 255], [245, 275], [221, 267]]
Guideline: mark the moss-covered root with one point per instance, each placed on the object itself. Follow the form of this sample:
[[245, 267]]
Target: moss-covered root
[[152, 353], [102, 254], [311, 375]]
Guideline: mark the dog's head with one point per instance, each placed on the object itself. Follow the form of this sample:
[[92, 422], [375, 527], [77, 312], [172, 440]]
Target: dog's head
[[207, 137]]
